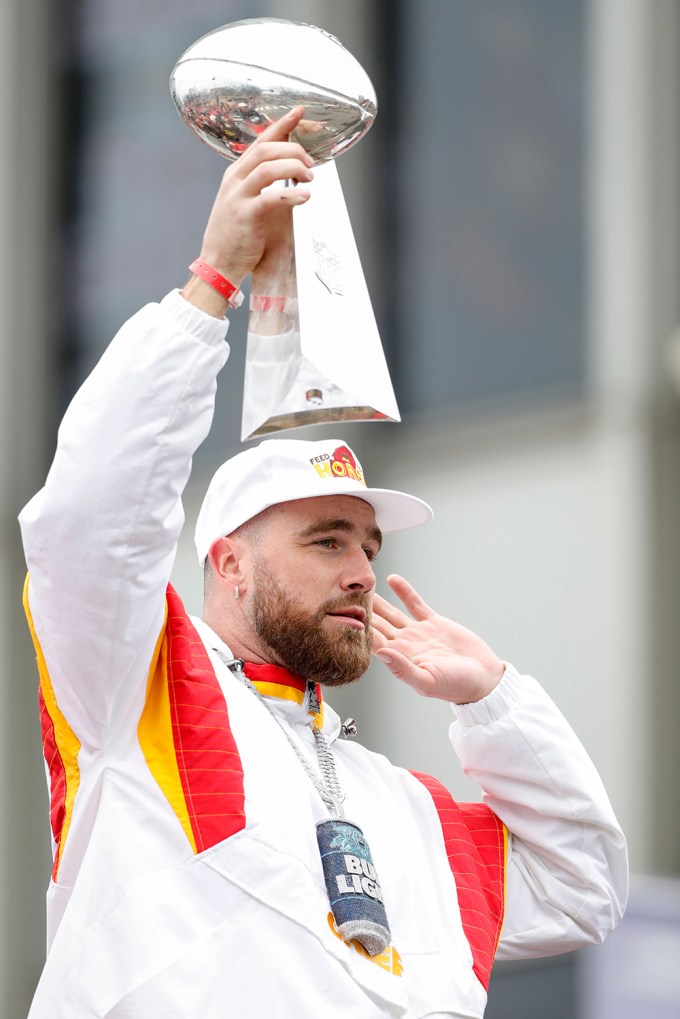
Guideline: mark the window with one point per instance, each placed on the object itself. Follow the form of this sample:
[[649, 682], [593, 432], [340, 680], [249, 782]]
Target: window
[[488, 182]]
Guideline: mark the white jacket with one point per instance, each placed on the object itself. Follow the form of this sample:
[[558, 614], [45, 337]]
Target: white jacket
[[187, 882]]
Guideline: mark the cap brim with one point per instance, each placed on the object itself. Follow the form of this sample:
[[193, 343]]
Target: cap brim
[[396, 511]]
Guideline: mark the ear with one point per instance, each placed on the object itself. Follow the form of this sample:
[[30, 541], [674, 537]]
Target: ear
[[225, 556]]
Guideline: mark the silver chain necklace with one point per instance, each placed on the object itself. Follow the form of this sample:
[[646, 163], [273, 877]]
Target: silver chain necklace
[[328, 784], [354, 894]]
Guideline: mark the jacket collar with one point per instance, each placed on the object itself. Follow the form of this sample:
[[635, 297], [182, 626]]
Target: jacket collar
[[275, 681], [289, 695]]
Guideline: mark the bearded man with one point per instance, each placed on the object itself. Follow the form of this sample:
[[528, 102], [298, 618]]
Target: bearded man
[[218, 850]]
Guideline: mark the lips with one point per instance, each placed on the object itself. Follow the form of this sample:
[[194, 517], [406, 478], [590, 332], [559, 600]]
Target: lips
[[353, 615]]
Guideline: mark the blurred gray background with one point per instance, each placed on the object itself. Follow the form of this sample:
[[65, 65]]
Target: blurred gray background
[[517, 209]]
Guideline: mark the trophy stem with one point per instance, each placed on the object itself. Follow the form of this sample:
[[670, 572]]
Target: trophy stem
[[314, 354]]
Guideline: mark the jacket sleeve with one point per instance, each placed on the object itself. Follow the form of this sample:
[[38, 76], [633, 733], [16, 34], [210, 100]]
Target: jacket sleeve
[[567, 869], [100, 537]]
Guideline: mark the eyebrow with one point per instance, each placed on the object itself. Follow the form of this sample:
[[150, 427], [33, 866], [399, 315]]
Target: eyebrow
[[339, 524]]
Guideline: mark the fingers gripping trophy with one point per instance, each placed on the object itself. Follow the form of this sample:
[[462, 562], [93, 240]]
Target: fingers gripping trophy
[[314, 353]]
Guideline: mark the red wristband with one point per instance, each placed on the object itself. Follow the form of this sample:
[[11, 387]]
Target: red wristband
[[227, 290]]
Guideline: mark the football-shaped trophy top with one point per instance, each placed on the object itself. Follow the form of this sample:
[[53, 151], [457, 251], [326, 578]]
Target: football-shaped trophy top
[[230, 84]]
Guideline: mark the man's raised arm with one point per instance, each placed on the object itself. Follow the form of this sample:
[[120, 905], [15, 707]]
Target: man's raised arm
[[100, 537], [567, 868]]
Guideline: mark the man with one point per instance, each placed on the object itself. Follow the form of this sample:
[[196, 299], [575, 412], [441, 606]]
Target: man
[[194, 764]]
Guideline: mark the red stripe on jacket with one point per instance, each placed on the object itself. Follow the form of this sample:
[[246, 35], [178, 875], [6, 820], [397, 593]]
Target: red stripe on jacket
[[57, 773], [475, 843], [209, 763]]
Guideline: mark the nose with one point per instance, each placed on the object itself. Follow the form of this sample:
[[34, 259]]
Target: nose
[[358, 575]]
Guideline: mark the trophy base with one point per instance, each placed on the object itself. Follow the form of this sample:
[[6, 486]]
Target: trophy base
[[320, 416]]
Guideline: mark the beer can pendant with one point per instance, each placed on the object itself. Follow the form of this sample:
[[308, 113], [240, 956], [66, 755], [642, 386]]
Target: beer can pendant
[[352, 884]]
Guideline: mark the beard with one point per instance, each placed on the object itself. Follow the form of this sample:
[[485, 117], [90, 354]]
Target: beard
[[298, 639]]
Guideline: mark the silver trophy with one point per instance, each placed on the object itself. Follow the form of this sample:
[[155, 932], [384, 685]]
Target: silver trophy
[[314, 353]]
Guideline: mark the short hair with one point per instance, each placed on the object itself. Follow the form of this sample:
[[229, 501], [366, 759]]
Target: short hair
[[251, 531]]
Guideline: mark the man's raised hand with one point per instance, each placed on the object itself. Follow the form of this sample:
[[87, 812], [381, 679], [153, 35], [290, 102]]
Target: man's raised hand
[[244, 212], [437, 657]]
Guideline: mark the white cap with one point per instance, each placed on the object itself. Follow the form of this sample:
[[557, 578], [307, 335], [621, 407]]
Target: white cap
[[279, 470]]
